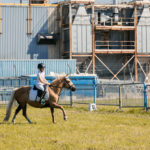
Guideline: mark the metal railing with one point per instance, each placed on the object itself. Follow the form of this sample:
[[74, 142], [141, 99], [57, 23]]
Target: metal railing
[[121, 21], [114, 44]]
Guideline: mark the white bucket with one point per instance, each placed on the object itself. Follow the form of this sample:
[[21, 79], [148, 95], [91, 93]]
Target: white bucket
[[92, 107]]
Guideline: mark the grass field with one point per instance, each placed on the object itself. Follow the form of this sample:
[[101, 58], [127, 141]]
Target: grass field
[[101, 130]]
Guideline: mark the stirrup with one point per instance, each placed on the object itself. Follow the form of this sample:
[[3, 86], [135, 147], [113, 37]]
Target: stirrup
[[42, 101]]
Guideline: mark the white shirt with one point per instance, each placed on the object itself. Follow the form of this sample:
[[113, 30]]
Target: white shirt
[[40, 75]]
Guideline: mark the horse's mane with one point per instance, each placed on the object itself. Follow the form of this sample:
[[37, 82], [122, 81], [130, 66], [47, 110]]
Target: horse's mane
[[57, 80]]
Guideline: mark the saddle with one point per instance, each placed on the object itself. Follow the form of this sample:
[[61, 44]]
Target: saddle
[[36, 94], [39, 92]]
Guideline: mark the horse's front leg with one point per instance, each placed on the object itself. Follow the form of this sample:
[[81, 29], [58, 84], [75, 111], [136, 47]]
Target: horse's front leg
[[60, 107], [52, 113]]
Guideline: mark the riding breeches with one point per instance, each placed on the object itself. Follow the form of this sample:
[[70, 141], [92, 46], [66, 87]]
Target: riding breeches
[[41, 87]]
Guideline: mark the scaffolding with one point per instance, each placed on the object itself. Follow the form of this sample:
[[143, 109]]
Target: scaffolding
[[128, 48]]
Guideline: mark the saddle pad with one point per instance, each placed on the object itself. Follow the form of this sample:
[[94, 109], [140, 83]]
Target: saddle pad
[[33, 95]]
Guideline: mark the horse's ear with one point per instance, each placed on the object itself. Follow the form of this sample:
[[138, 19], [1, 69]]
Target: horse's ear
[[67, 75]]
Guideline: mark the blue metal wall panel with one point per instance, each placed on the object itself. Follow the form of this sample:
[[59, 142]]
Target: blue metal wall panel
[[15, 43], [11, 68], [76, 80]]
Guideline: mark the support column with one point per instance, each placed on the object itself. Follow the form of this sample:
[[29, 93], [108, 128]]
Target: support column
[[70, 29], [136, 62], [60, 31], [29, 18], [0, 20], [125, 61], [93, 38]]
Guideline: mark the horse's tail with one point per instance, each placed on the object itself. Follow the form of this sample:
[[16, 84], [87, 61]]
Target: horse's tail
[[9, 106]]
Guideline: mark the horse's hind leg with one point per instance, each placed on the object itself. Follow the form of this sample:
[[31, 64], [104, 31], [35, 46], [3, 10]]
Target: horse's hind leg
[[25, 114], [52, 113], [16, 112]]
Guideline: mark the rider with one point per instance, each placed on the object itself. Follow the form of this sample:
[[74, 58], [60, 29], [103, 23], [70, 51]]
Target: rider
[[41, 82]]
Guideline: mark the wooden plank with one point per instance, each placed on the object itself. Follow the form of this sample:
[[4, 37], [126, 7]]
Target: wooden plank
[[70, 29], [93, 38], [114, 51], [81, 55], [124, 28], [123, 67], [136, 59], [106, 66]]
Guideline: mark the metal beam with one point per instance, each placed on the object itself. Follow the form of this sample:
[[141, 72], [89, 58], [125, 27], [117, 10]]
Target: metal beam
[[113, 6], [60, 30], [135, 24], [141, 67], [116, 28], [106, 66], [93, 38], [29, 19], [113, 51], [123, 67], [77, 70], [89, 66], [70, 29], [81, 55]]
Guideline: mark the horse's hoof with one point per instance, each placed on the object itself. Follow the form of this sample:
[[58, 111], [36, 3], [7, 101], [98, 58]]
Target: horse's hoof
[[65, 118], [13, 122], [30, 122], [54, 122]]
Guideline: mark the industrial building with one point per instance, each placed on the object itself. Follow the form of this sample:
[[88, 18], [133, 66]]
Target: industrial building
[[109, 38]]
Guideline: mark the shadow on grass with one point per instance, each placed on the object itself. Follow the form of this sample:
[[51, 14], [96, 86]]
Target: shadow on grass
[[17, 123]]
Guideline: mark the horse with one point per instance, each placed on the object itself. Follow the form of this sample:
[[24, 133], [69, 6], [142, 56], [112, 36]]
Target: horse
[[21, 95]]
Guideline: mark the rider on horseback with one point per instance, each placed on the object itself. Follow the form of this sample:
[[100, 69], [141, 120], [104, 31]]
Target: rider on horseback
[[41, 82]]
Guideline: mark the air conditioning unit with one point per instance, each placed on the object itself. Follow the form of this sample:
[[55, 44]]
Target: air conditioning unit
[[39, 1]]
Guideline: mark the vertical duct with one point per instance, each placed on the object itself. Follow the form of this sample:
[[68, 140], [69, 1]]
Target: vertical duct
[[115, 11]]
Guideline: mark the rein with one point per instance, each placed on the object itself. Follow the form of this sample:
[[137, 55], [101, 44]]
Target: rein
[[55, 86], [59, 88]]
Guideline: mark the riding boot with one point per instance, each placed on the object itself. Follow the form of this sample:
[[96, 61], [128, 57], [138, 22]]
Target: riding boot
[[42, 96]]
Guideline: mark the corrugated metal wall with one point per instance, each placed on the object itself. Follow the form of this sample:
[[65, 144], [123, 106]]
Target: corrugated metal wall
[[143, 32], [11, 68], [82, 32], [53, 50], [25, 1], [15, 43], [55, 1]]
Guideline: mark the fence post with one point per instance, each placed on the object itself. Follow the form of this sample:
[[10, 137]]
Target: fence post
[[70, 98], [145, 97], [94, 94], [120, 102]]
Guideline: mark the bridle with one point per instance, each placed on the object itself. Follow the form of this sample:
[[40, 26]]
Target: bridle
[[69, 86]]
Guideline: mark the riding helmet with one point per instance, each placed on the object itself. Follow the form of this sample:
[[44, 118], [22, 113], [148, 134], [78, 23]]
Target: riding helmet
[[41, 65]]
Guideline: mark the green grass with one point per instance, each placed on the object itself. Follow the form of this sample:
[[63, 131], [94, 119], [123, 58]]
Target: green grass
[[101, 130]]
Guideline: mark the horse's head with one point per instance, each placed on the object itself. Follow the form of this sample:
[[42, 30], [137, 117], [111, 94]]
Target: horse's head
[[68, 84]]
